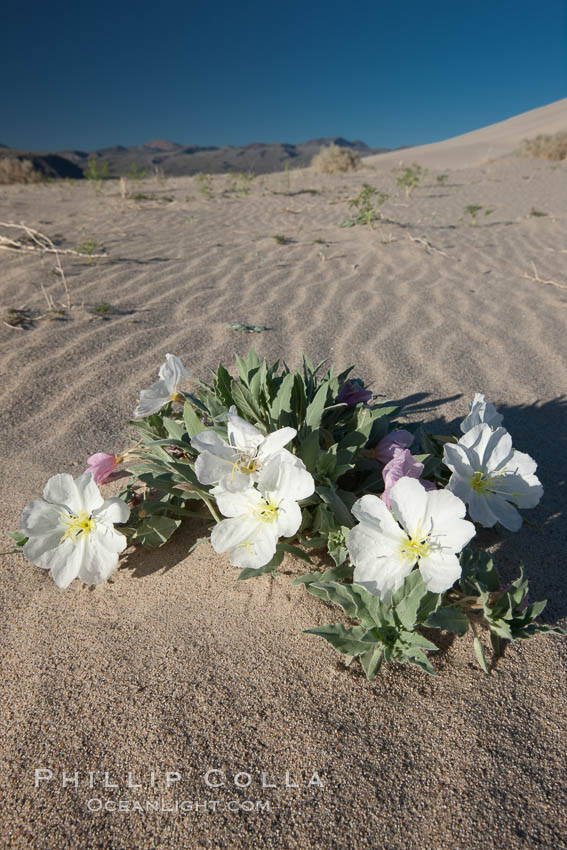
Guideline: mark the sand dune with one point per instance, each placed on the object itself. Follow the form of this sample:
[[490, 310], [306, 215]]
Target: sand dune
[[480, 146], [172, 666]]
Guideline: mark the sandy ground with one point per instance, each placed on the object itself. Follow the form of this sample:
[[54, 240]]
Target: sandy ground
[[172, 665]]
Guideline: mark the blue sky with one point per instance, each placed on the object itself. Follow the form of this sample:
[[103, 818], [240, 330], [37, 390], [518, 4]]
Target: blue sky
[[93, 75]]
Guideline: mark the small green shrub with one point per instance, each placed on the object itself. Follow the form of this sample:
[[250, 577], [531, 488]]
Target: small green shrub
[[367, 205], [410, 177]]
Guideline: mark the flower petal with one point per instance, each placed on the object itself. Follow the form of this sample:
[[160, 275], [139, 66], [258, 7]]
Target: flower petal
[[505, 513], [289, 518], [257, 551], [498, 449], [210, 469], [210, 441], [64, 561], [400, 439], [61, 490], [409, 500], [480, 509], [98, 560], [373, 514], [235, 503], [240, 433], [172, 372], [481, 411], [41, 518], [112, 511], [89, 494], [36, 547], [382, 576], [440, 571], [444, 516], [233, 532], [283, 480], [275, 441], [152, 400]]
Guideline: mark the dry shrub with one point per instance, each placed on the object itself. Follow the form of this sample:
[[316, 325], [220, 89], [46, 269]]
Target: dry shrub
[[14, 170], [546, 147], [335, 160]]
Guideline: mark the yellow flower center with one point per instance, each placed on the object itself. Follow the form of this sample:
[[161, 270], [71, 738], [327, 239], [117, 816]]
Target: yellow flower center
[[77, 525], [267, 511], [177, 397], [247, 464], [480, 482], [415, 548]]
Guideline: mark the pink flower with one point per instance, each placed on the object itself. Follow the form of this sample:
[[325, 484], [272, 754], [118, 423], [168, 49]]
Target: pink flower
[[352, 393], [402, 465], [102, 465], [385, 449]]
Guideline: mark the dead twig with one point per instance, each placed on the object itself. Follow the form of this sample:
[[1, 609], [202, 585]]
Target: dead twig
[[41, 244], [427, 245], [537, 279]]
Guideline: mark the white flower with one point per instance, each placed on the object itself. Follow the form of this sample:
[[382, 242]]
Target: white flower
[[491, 477], [258, 517], [171, 373], [71, 533], [424, 528], [481, 411], [237, 465]]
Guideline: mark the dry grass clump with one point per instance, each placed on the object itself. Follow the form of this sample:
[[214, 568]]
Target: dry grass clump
[[15, 170], [335, 160], [546, 147]]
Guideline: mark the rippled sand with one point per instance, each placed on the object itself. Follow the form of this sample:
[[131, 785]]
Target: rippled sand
[[172, 666]]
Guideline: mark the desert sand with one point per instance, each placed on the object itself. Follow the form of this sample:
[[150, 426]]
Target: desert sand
[[173, 665]]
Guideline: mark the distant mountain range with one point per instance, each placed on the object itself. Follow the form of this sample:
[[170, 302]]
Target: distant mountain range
[[172, 159]]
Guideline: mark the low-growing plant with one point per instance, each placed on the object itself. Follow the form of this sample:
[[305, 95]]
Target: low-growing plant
[[335, 160], [410, 177], [282, 240], [473, 210], [205, 184], [88, 249], [136, 173], [97, 173], [537, 213], [239, 182], [442, 179], [404, 557], [367, 205]]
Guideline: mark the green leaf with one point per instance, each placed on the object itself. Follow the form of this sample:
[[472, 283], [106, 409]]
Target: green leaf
[[156, 530], [334, 574], [416, 656], [408, 598], [347, 641], [252, 361], [450, 619], [372, 661], [315, 410], [480, 654], [309, 451], [246, 404], [281, 408], [261, 571], [192, 422], [174, 429], [295, 551], [222, 382], [330, 496], [241, 368], [18, 537]]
